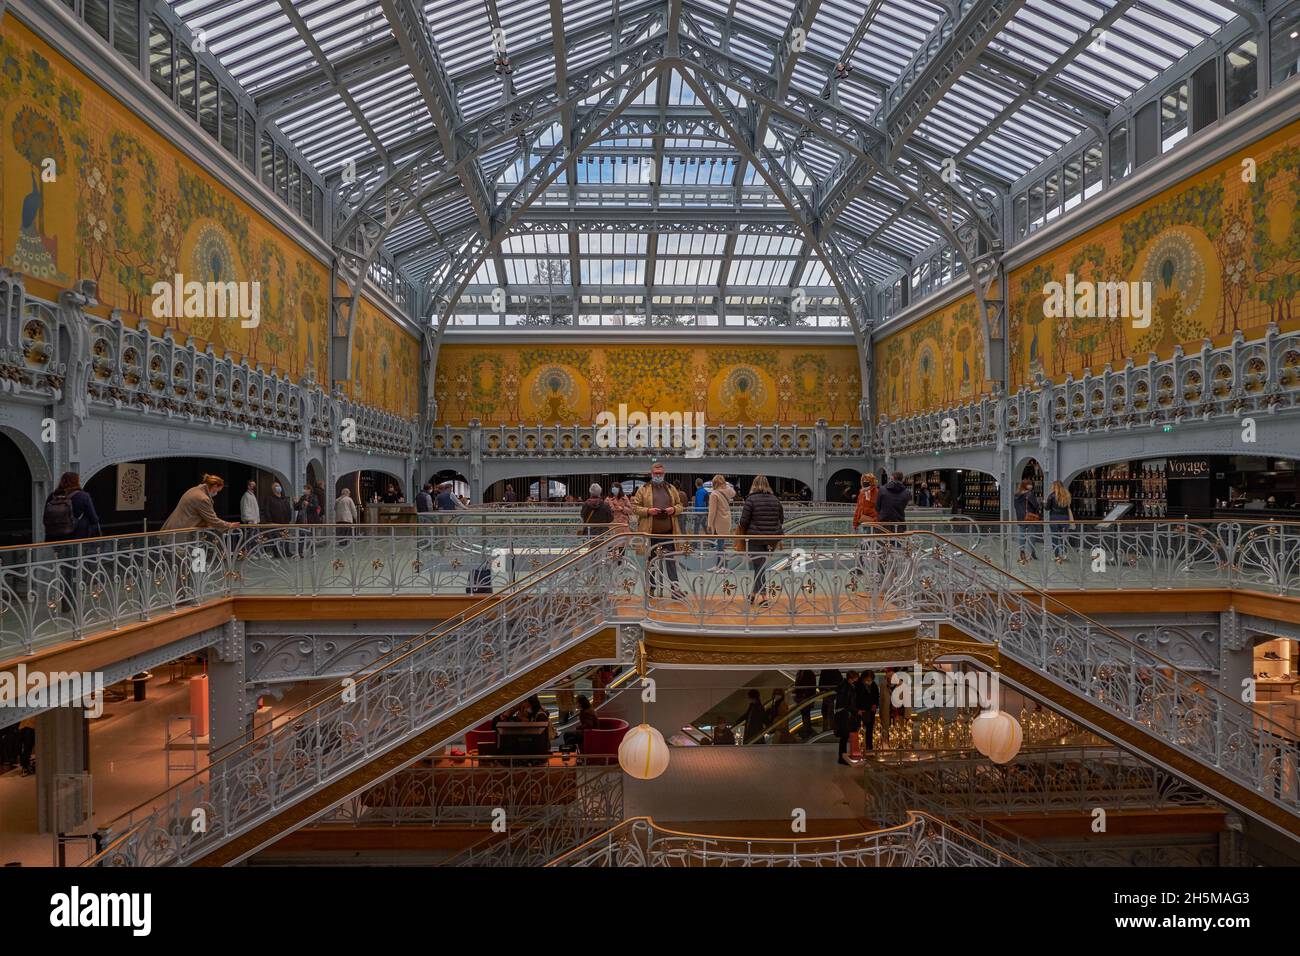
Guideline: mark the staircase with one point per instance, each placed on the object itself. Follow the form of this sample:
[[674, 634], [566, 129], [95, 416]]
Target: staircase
[[418, 698], [1116, 687]]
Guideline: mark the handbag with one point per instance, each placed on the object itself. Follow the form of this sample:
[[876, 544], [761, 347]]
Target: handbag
[[1033, 516]]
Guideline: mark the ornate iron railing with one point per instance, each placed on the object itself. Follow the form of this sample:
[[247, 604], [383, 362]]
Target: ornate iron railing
[[394, 699], [581, 441], [470, 790], [964, 788], [913, 575], [73, 589], [1038, 780], [1099, 665], [922, 841], [1242, 378], [57, 349]]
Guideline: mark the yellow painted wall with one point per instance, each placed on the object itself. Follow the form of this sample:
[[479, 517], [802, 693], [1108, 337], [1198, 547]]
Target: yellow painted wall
[[935, 362], [1221, 254], [385, 363], [507, 384], [128, 209]]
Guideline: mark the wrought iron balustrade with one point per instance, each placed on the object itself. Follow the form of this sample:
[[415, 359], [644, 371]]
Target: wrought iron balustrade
[[922, 841], [1100, 666], [1244, 377], [469, 790], [394, 699], [53, 350], [70, 590], [582, 441]]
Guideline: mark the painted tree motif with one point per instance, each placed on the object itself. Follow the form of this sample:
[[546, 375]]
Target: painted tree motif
[[135, 251], [1277, 260]]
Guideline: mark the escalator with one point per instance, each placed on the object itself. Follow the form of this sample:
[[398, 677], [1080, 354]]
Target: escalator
[[561, 618]]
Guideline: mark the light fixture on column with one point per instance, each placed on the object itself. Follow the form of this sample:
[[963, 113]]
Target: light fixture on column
[[997, 735]]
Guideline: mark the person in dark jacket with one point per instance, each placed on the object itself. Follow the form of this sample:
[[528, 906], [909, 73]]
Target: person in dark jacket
[[763, 514], [866, 699], [805, 688], [828, 680], [308, 510], [1029, 514], [755, 718], [70, 511], [279, 510], [892, 503], [70, 516], [846, 714], [424, 499], [597, 515]]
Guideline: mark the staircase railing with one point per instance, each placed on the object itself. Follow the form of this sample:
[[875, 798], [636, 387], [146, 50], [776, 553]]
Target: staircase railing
[[1099, 665], [922, 840], [395, 699]]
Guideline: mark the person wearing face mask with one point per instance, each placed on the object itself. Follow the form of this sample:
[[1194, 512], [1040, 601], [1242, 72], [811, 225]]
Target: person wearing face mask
[[279, 510], [195, 510], [658, 507]]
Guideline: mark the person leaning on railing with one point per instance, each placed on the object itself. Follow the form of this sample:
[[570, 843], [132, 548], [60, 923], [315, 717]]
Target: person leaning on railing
[[195, 510]]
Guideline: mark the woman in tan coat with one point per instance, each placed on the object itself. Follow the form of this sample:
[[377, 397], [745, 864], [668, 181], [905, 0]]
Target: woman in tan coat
[[718, 522], [195, 510]]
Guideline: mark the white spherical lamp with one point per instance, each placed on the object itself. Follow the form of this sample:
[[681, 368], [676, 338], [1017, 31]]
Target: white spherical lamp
[[997, 735], [643, 753]]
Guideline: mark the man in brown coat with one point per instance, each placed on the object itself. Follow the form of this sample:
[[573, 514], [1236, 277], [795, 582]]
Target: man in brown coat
[[658, 507], [195, 510]]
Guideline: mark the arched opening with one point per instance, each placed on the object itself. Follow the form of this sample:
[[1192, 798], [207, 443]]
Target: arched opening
[[16, 510], [844, 485], [372, 487], [964, 491], [139, 495], [459, 483]]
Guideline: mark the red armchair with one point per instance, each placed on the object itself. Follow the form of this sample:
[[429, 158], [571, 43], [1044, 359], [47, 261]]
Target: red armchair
[[605, 738], [482, 734]]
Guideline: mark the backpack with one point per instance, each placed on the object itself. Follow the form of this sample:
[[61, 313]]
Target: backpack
[[60, 521]]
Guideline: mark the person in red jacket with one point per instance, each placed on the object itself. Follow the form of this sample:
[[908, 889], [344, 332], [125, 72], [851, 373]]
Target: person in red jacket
[[865, 512]]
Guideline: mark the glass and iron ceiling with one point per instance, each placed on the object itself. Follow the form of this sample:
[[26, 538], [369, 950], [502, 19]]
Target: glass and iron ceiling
[[518, 163]]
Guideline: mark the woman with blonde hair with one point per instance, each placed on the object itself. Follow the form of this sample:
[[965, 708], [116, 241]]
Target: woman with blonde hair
[[718, 521], [763, 515], [1059, 512]]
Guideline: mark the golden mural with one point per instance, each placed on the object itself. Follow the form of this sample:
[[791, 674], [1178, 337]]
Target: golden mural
[[508, 385], [385, 364], [88, 190], [1219, 252], [935, 362]]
